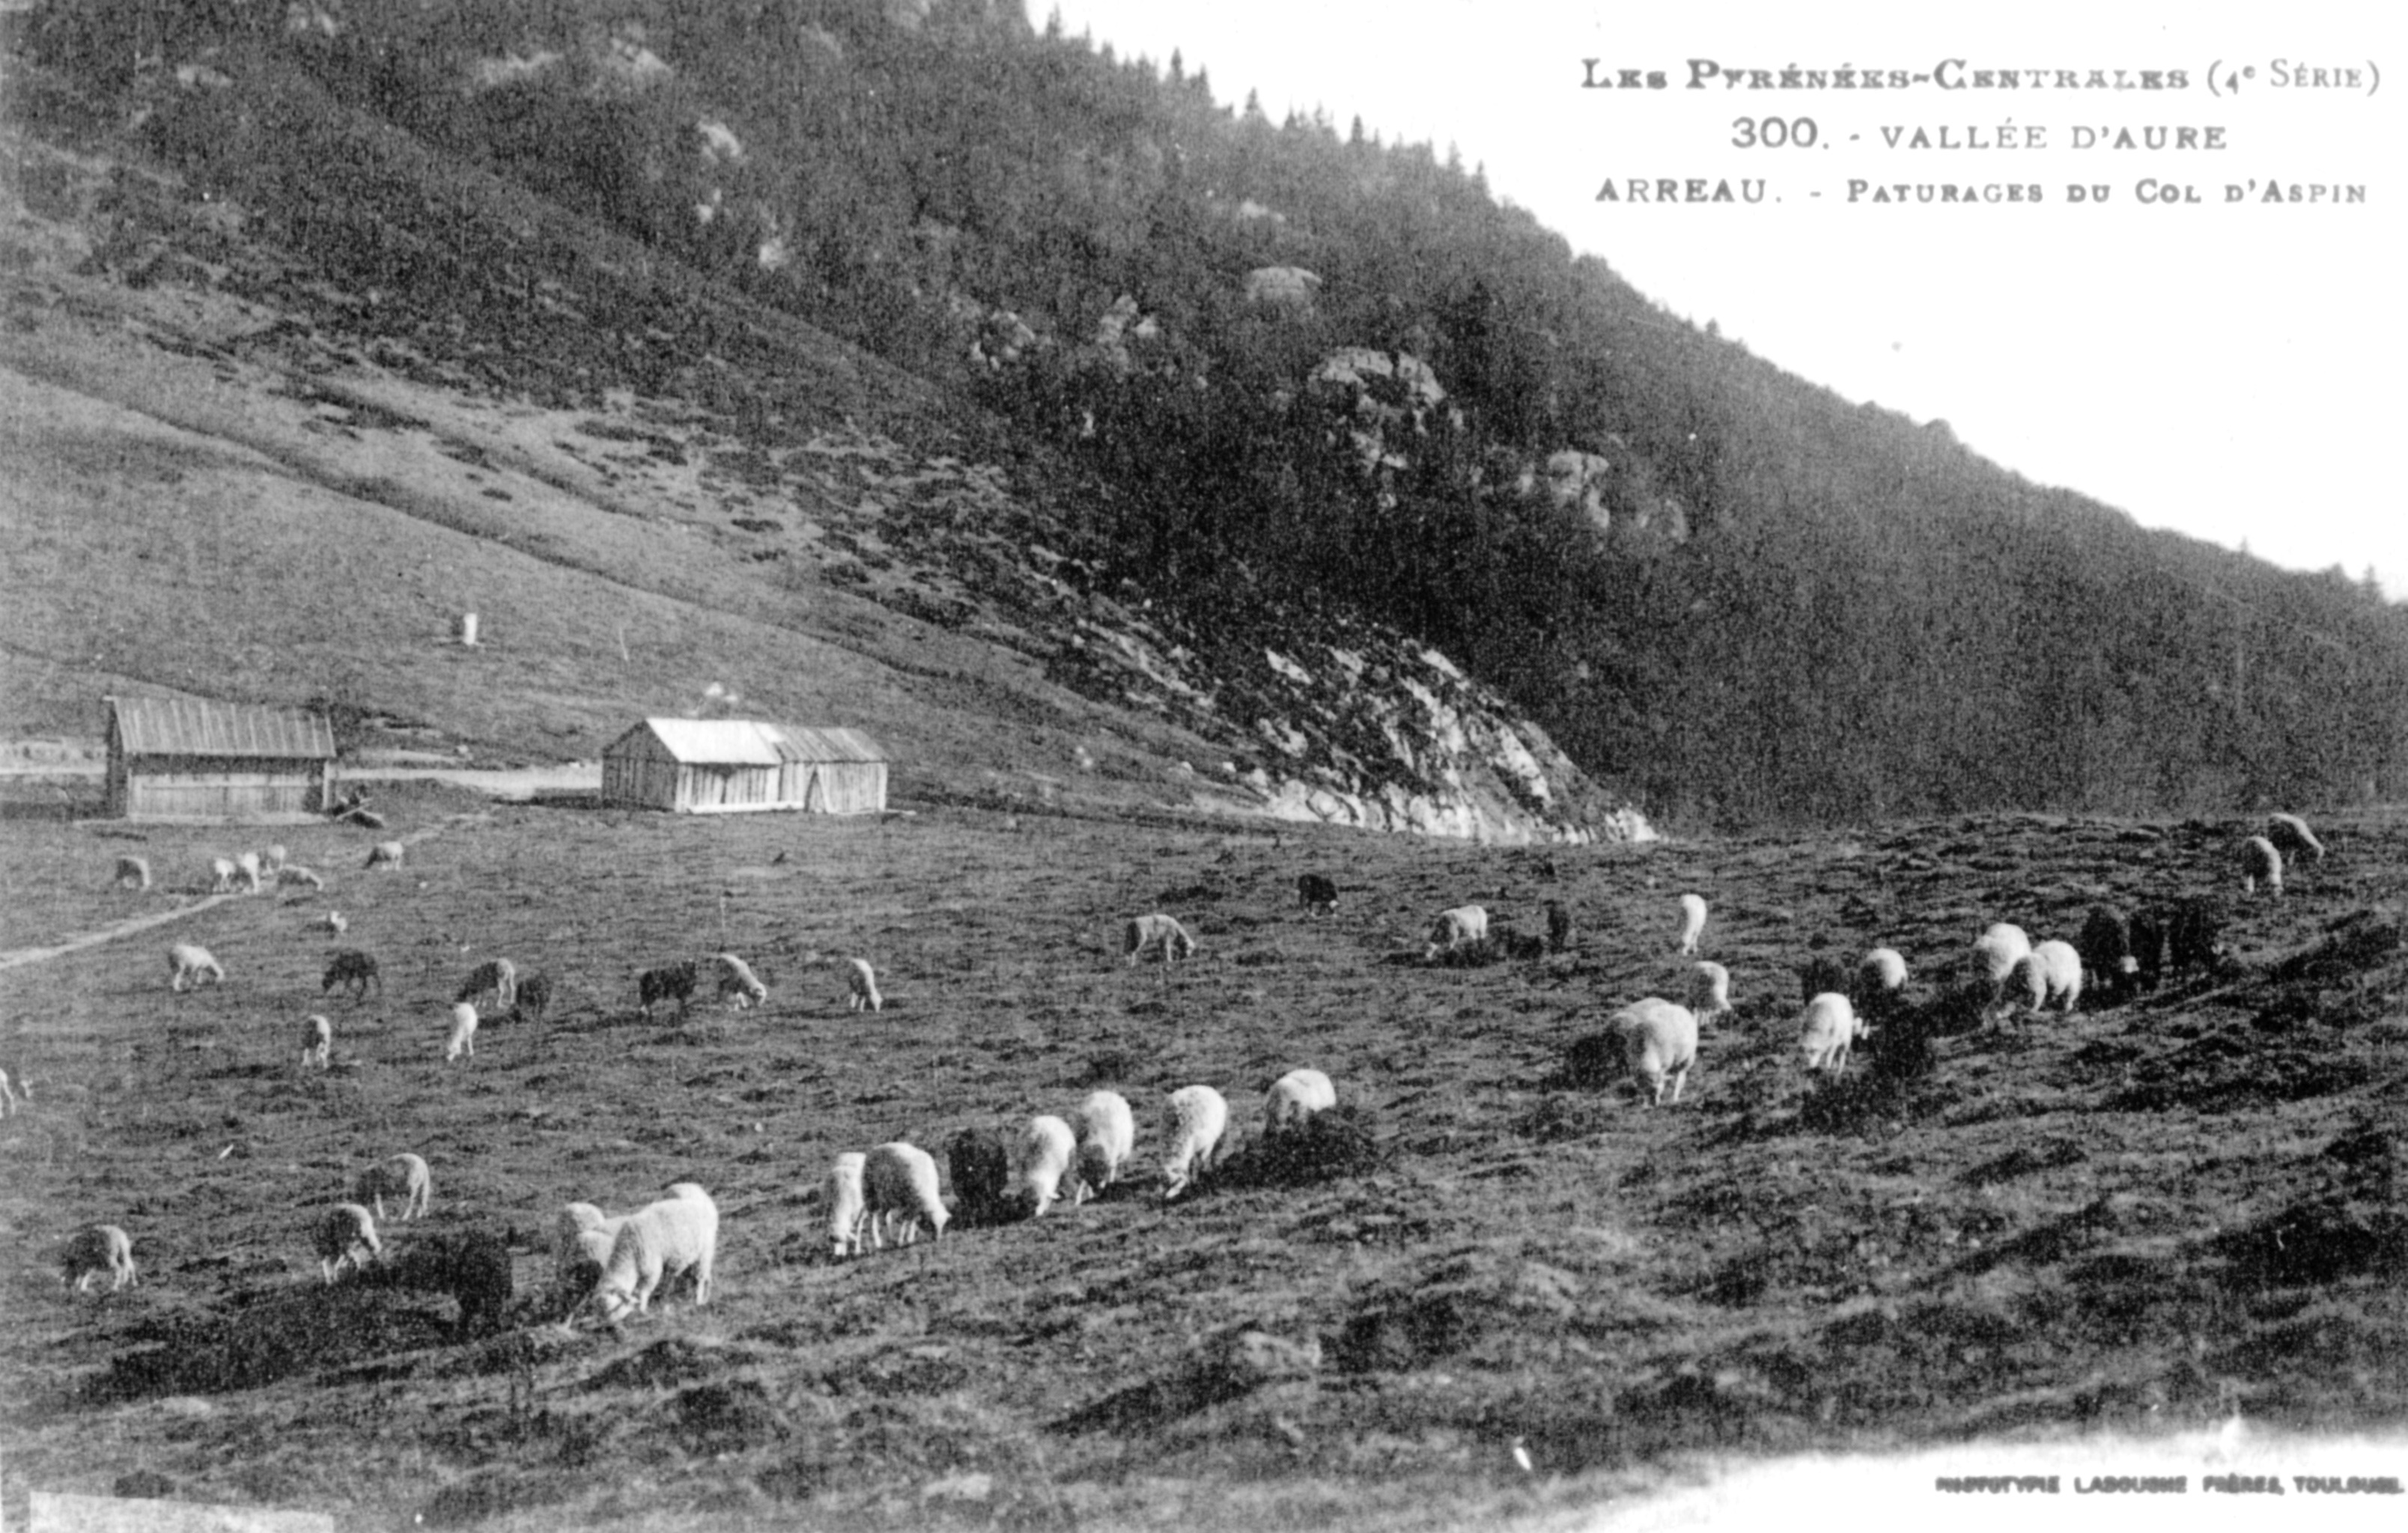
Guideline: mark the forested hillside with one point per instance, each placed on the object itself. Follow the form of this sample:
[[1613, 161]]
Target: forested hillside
[[1291, 368]]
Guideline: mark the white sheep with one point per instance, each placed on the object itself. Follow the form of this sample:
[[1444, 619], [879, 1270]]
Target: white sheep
[[246, 866], [2260, 862], [2051, 971], [899, 1182], [1996, 953], [846, 1204], [1041, 1158], [385, 855], [462, 1037], [1693, 923], [738, 983], [861, 987], [317, 1042], [1825, 1030], [98, 1251], [345, 1236], [1147, 931], [133, 870], [1294, 1098], [1199, 1116], [222, 872], [273, 862], [1881, 972], [403, 1177], [655, 1243], [1710, 992], [297, 874], [1106, 1134], [2290, 834], [1460, 927], [334, 922], [581, 1237], [1660, 1044], [191, 961]]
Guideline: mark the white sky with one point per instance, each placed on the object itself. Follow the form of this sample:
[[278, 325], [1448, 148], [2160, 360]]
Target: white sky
[[2227, 370]]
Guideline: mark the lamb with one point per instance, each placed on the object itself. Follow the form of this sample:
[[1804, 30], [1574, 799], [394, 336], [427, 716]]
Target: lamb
[[1710, 992], [189, 961], [1106, 1133], [899, 1182], [845, 1204], [1294, 1098], [222, 872], [497, 975], [1996, 953], [1463, 926], [580, 1239], [1316, 891], [1559, 928], [133, 870], [981, 1165], [334, 923], [1826, 1029], [1660, 1044], [295, 874], [345, 1236], [2260, 863], [317, 1042], [95, 1251], [1880, 988], [670, 982], [354, 972], [2106, 949], [245, 865], [677, 1234], [404, 1177], [737, 981], [385, 855], [461, 1039], [1693, 923], [1041, 1156], [861, 987], [2290, 834], [1198, 1117], [2051, 971], [534, 996], [1145, 931]]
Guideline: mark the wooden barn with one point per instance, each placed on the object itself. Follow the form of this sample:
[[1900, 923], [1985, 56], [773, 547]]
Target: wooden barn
[[181, 758], [730, 766]]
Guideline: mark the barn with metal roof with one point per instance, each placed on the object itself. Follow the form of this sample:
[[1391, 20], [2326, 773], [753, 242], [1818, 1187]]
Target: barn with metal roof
[[730, 765], [184, 758]]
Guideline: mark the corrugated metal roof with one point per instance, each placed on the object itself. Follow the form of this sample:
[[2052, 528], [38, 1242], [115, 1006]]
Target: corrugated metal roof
[[752, 742], [188, 727]]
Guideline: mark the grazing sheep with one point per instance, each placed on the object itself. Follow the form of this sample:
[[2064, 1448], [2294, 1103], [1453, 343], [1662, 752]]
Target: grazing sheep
[[1041, 1157], [1826, 1029], [404, 1177], [1463, 926], [189, 961], [658, 1242], [497, 975], [1294, 1098], [2051, 971], [1693, 923], [296, 873], [2195, 937], [2105, 945], [345, 1236], [354, 972], [1146, 931], [738, 983], [1198, 1117], [1823, 972], [899, 1182], [534, 996], [385, 855], [1106, 1133], [670, 982], [334, 923], [246, 866], [1710, 992], [861, 987], [1996, 953], [96, 1251], [222, 872], [317, 1042], [133, 870], [981, 1165], [2260, 863], [1880, 988], [461, 1039], [2290, 834], [846, 1204], [580, 1245], [1559, 928], [1660, 1044], [1316, 891]]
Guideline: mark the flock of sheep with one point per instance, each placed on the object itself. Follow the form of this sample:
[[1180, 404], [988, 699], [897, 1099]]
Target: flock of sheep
[[611, 1266]]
